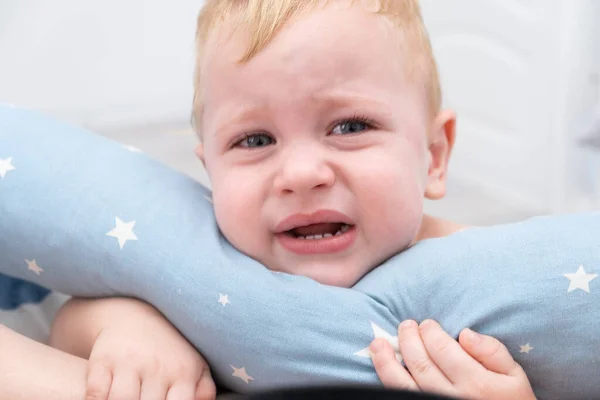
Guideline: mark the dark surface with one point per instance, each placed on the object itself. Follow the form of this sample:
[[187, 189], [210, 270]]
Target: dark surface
[[15, 292], [333, 393]]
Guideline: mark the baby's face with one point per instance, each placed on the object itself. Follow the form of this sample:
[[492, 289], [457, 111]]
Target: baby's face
[[317, 147]]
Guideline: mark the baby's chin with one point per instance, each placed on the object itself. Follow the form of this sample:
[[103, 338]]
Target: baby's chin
[[331, 273]]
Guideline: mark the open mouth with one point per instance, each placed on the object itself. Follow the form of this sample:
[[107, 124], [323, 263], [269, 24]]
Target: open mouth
[[319, 238], [319, 231]]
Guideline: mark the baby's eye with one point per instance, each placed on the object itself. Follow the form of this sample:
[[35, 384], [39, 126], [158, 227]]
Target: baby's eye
[[351, 126], [255, 140]]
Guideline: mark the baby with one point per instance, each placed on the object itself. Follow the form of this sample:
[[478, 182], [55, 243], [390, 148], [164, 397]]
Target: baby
[[322, 132]]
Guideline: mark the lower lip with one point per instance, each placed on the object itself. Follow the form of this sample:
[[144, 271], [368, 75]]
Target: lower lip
[[333, 244]]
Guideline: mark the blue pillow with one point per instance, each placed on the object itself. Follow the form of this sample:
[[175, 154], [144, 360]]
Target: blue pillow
[[85, 216]]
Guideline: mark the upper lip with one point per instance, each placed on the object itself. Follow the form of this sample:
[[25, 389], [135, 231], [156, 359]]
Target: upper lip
[[317, 217]]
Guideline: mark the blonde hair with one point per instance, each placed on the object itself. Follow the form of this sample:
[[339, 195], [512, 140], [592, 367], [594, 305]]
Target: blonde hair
[[263, 19]]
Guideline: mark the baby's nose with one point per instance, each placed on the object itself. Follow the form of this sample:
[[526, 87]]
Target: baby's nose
[[302, 171]]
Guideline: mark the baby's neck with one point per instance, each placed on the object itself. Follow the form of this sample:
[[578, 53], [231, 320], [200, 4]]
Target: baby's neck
[[433, 227]]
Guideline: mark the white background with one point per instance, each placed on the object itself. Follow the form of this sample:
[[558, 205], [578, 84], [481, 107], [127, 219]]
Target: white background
[[522, 74]]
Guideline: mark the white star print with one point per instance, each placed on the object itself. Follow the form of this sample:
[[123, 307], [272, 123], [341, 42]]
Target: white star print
[[380, 333], [33, 266], [224, 299], [580, 280], [208, 199], [123, 232], [241, 373], [5, 166], [525, 349], [132, 149]]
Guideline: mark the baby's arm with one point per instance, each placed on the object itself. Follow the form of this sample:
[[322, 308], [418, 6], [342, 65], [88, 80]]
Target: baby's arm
[[30, 370], [133, 351]]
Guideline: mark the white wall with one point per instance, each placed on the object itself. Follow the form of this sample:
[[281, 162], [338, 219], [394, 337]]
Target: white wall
[[99, 62], [580, 185], [523, 75]]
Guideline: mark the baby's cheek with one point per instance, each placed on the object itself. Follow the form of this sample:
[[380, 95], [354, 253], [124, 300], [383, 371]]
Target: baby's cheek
[[396, 213], [237, 219], [222, 213], [227, 210], [402, 221]]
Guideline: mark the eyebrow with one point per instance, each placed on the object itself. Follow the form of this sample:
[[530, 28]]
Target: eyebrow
[[242, 115]]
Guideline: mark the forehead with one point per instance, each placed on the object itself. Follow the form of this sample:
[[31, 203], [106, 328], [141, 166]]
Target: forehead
[[343, 45], [331, 29]]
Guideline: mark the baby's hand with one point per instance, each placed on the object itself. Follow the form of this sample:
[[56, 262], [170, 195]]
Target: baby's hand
[[144, 357], [475, 367]]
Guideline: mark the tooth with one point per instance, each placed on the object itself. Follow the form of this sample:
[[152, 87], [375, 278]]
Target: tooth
[[327, 235], [338, 233], [345, 228], [310, 237], [300, 237], [319, 236]]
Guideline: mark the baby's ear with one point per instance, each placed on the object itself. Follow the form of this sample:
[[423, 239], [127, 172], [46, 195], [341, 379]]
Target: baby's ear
[[441, 142]]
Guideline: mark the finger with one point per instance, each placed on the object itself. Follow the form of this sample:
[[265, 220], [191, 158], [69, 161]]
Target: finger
[[423, 369], [125, 386], [99, 380], [447, 354], [206, 388], [182, 391], [391, 373], [154, 388], [488, 350]]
